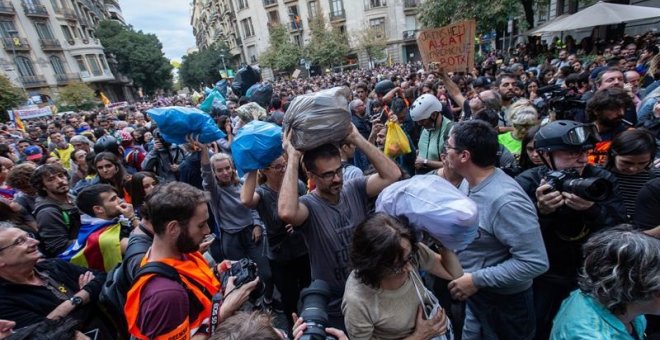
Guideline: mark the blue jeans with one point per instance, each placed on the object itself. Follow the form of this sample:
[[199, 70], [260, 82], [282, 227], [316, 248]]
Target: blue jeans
[[496, 316]]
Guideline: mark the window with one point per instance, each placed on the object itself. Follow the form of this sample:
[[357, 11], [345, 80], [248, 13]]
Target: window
[[378, 24], [94, 64], [84, 72], [336, 8], [313, 8], [252, 54], [43, 30], [248, 30], [56, 62], [104, 62], [298, 40], [376, 3], [56, 6], [24, 66], [7, 26], [273, 17], [82, 35], [242, 4], [67, 32]]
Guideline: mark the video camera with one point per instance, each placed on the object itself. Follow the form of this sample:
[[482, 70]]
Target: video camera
[[592, 188], [565, 103]]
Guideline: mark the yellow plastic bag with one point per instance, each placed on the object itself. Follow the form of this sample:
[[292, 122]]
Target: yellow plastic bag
[[396, 141]]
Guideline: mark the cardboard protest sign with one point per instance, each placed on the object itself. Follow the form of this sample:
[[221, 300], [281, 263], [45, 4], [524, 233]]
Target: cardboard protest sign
[[450, 47]]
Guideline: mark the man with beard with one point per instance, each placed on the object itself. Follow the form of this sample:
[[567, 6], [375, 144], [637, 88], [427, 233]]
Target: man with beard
[[506, 86], [612, 77], [58, 220], [606, 110], [483, 99], [329, 214], [160, 308]]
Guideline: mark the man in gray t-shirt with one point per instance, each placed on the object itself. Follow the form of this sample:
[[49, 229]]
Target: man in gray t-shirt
[[329, 214]]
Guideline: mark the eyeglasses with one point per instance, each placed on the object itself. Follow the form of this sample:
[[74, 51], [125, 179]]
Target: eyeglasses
[[449, 147], [408, 259], [18, 242], [330, 174], [278, 167]]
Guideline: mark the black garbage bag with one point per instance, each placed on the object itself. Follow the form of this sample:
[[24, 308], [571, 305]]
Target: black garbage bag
[[245, 77]]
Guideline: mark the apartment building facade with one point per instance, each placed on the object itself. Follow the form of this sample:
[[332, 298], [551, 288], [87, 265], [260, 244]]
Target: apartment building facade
[[48, 44], [249, 23]]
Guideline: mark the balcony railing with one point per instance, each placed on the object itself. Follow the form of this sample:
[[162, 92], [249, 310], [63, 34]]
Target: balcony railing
[[34, 10], [295, 26], [7, 8], [409, 35], [67, 78], [33, 81], [410, 3], [69, 14], [268, 3], [338, 15], [50, 44], [16, 44], [371, 4]]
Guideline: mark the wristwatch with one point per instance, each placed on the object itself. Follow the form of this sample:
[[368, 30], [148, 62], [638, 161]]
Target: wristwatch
[[76, 301], [426, 161]]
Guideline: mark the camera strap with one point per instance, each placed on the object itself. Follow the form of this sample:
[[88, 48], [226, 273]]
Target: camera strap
[[215, 311]]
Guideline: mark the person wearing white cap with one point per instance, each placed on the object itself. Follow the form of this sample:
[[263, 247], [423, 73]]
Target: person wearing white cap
[[426, 111]]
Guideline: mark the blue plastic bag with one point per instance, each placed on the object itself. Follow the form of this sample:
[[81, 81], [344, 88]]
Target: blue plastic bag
[[256, 145], [214, 99], [221, 86], [260, 93], [175, 123]]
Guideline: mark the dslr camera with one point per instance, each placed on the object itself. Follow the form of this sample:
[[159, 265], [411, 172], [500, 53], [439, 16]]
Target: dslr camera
[[245, 270], [592, 188], [315, 310]]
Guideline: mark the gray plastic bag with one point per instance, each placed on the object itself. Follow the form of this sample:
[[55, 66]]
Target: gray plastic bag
[[319, 118]]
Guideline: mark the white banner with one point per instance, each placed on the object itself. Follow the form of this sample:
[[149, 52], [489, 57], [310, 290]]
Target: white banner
[[33, 112]]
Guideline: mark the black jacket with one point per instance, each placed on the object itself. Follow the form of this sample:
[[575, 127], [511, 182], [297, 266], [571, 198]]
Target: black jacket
[[58, 223], [566, 230], [27, 304]]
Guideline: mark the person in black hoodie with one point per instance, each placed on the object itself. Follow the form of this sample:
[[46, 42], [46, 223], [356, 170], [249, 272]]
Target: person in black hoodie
[[566, 218]]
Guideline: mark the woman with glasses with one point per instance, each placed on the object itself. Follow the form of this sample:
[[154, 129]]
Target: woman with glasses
[[385, 297], [630, 157], [286, 251]]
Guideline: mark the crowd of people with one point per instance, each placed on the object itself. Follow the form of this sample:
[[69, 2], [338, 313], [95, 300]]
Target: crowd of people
[[110, 231]]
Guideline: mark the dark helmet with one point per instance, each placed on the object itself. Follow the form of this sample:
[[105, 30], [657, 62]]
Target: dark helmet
[[566, 135], [384, 86], [106, 143]]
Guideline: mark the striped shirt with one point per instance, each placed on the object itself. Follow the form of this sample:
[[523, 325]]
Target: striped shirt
[[629, 187]]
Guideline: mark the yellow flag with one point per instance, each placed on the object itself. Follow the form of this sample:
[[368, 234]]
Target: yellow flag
[[105, 99], [18, 122]]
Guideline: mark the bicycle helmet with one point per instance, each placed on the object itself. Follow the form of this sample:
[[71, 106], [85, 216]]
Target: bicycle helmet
[[424, 106]]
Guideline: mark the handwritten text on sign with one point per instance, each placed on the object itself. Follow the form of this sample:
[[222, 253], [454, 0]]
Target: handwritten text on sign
[[451, 47]]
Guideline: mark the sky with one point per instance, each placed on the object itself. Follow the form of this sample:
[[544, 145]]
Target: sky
[[169, 20]]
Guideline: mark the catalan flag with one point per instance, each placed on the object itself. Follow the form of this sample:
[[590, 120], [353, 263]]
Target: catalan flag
[[18, 122], [105, 99], [97, 246]]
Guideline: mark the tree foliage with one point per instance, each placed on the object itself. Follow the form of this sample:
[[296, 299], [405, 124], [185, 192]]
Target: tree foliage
[[489, 14], [372, 41], [203, 66], [140, 56], [78, 95], [10, 96], [328, 45], [282, 54]]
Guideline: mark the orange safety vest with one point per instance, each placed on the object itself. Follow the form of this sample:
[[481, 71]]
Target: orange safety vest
[[193, 267], [598, 155]]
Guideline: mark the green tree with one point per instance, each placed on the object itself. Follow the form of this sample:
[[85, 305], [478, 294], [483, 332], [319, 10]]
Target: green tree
[[203, 66], [140, 56], [282, 54], [372, 41], [78, 96], [10, 97], [328, 44], [489, 14]]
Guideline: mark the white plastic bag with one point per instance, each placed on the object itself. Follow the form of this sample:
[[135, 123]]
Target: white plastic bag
[[431, 204]]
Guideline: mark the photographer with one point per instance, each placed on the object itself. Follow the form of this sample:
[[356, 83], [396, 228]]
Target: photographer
[[567, 219], [163, 159]]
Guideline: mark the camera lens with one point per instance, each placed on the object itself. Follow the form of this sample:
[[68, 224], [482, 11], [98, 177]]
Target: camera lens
[[314, 309], [592, 189]]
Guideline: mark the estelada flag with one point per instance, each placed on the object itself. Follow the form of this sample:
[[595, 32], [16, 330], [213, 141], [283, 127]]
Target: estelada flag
[[97, 246], [105, 99], [18, 122]]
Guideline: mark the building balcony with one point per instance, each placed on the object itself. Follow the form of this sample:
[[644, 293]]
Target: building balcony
[[338, 15], [295, 26], [35, 11], [33, 81], [410, 35], [50, 44], [67, 78], [16, 44], [7, 8], [83, 21], [270, 3], [410, 5], [69, 14], [373, 4]]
